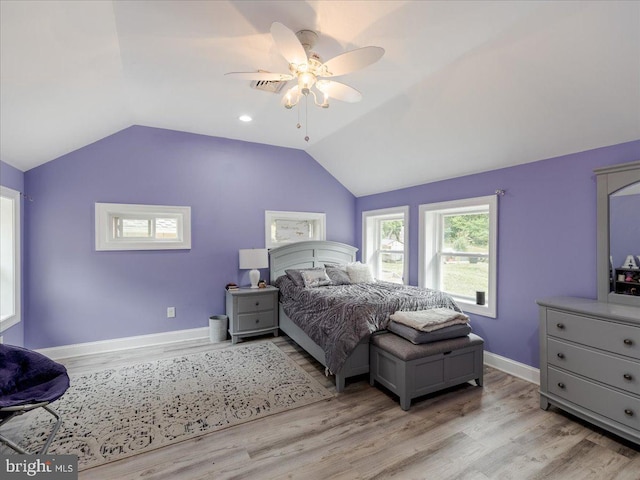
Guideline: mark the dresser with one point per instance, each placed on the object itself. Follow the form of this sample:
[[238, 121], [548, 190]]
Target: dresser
[[590, 362], [252, 311]]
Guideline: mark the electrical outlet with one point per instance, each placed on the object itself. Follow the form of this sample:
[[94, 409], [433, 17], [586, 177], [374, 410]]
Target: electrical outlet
[[171, 312]]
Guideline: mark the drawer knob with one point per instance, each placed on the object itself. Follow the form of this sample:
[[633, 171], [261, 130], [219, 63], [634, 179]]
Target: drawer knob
[[257, 303], [628, 376], [628, 412], [560, 326], [628, 341], [561, 385], [257, 320], [560, 355]]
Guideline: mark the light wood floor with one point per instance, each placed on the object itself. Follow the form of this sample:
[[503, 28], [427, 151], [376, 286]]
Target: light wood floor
[[495, 432]]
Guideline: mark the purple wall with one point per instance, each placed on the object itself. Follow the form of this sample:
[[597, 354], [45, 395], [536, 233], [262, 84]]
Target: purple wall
[[13, 178], [546, 239], [624, 220], [75, 294]]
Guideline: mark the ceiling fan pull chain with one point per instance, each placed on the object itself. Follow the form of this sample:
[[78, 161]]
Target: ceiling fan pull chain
[[306, 118]]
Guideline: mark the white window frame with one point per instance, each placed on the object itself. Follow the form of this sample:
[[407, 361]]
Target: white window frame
[[429, 237], [318, 221], [13, 318], [107, 240], [371, 236]]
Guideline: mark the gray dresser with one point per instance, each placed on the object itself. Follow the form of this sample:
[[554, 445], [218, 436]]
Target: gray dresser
[[590, 362]]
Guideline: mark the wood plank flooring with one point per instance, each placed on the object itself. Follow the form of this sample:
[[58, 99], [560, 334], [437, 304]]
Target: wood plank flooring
[[465, 433]]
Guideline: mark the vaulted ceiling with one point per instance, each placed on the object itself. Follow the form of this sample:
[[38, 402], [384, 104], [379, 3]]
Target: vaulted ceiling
[[463, 87]]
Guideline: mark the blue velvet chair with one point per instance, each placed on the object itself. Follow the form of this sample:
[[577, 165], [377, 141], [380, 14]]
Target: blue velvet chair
[[29, 380]]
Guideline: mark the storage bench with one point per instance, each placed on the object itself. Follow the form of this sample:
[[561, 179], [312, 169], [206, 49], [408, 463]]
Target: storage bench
[[410, 370]]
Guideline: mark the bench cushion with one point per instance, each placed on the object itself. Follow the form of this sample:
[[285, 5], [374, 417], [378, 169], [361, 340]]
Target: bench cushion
[[406, 351]]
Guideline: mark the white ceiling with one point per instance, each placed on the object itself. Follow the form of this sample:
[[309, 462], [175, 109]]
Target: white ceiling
[[463, 87]]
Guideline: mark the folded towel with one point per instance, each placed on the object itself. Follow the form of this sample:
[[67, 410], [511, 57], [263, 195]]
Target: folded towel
[[429, 320]]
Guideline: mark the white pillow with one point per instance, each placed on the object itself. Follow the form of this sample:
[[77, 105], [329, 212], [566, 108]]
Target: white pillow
[[315, 278], [360, 273]]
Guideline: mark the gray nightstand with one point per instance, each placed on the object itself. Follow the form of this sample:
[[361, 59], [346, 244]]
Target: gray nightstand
[[252, 311]]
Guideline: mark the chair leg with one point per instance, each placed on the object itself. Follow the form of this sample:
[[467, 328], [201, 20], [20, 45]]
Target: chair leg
[[46, 445]]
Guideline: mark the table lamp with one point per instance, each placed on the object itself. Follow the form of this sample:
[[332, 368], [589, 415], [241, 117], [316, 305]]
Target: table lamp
[[254, 258]]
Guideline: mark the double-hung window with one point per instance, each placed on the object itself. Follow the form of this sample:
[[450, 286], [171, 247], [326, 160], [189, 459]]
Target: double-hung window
[[384, 247], [458, 251], [10, 296]]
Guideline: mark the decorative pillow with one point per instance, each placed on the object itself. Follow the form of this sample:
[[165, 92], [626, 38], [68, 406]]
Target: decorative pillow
[[315, 278], [359, 273], [296, 275], [338, 276]]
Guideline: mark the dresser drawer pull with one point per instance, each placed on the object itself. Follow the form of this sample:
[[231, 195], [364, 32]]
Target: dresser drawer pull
[[561, 385], [628, 412], [257, 303], [560, 326], [628, 376], [628, 341], [560, 355], [257, 320]]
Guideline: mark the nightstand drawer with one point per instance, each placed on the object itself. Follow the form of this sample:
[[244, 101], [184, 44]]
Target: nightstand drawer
[[622, 408], [615, 371], [256, 321], [623, 339], [255, 303]]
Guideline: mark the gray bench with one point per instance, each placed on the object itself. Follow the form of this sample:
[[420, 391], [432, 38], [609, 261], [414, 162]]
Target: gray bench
[[411, 371]]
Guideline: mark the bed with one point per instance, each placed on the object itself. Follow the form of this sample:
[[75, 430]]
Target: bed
[[336, 329]]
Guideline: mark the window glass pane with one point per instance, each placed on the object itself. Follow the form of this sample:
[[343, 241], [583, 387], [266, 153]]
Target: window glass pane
[[463, 276], [167, 228], [132, 228], [391, 267], [466, 232]]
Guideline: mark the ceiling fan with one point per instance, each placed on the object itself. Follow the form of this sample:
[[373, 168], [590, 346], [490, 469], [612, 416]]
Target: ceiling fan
[[310, 72]]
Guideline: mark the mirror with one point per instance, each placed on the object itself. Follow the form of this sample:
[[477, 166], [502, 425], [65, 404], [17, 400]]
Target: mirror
[[619, 234]]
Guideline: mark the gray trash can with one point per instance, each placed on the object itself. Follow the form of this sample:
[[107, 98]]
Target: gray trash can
[[218, 328]]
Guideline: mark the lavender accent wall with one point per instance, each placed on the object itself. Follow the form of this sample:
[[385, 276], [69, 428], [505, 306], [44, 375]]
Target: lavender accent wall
[[546, 242], [75, 294], [13, 178]]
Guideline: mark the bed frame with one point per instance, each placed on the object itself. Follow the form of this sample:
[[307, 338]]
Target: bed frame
[[309, 255]]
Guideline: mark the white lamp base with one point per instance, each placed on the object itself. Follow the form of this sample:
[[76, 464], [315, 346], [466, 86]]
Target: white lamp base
[[254, 276]]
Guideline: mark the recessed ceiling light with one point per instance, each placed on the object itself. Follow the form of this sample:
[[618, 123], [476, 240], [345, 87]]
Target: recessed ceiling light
[[245, 118]]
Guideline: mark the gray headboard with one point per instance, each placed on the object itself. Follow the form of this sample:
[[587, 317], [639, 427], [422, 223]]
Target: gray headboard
[[308, 255]]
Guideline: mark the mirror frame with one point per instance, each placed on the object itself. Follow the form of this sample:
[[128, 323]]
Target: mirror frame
[[610, 180]]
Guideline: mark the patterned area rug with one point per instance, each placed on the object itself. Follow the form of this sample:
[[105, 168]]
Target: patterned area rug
[[116, 413]]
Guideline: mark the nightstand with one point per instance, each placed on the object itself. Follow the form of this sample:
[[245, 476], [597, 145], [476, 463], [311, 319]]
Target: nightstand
[[252, 311]]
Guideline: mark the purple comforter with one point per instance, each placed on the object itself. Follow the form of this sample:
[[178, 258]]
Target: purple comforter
[[337, 318]]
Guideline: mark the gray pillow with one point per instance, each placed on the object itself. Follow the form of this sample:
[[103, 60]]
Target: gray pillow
[[296, 275], [338, 276]]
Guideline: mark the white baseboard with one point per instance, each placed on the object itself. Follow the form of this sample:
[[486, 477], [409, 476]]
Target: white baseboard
[[116, 344], [512, 367]]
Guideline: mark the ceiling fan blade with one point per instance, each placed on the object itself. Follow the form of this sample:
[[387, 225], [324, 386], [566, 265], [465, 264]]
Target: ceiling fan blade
[[265, 76], [351, 61], [288, 44], [339, 91]]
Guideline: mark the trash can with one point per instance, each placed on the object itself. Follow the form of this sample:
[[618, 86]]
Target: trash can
[[218, 328]]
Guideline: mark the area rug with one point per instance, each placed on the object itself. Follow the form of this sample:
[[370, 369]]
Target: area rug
[[116, 413]]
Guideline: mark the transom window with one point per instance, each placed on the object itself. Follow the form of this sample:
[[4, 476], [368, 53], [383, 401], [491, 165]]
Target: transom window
[[142, 227], [458, 242], [384, 247]]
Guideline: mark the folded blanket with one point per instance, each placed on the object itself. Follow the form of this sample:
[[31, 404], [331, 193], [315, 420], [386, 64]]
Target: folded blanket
[[429, 320]]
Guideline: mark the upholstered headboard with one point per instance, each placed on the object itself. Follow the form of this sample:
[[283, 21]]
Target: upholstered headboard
[[308, 255]]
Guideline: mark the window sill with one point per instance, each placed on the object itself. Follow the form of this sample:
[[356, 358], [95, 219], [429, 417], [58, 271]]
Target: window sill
[[468, 307], [8, 321]]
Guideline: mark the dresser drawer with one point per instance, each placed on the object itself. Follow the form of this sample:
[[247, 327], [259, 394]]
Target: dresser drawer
[[617, 406], [255, 321], [615, 371], [255, 303], [623, 339]]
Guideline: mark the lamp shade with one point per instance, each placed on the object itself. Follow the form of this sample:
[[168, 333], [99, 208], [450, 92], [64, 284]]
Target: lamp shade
[[254, 258]]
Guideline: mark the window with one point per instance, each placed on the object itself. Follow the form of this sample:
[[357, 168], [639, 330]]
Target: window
[[383, 243], [458, 245], [142, 227], [10, 295], [281, 228]]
